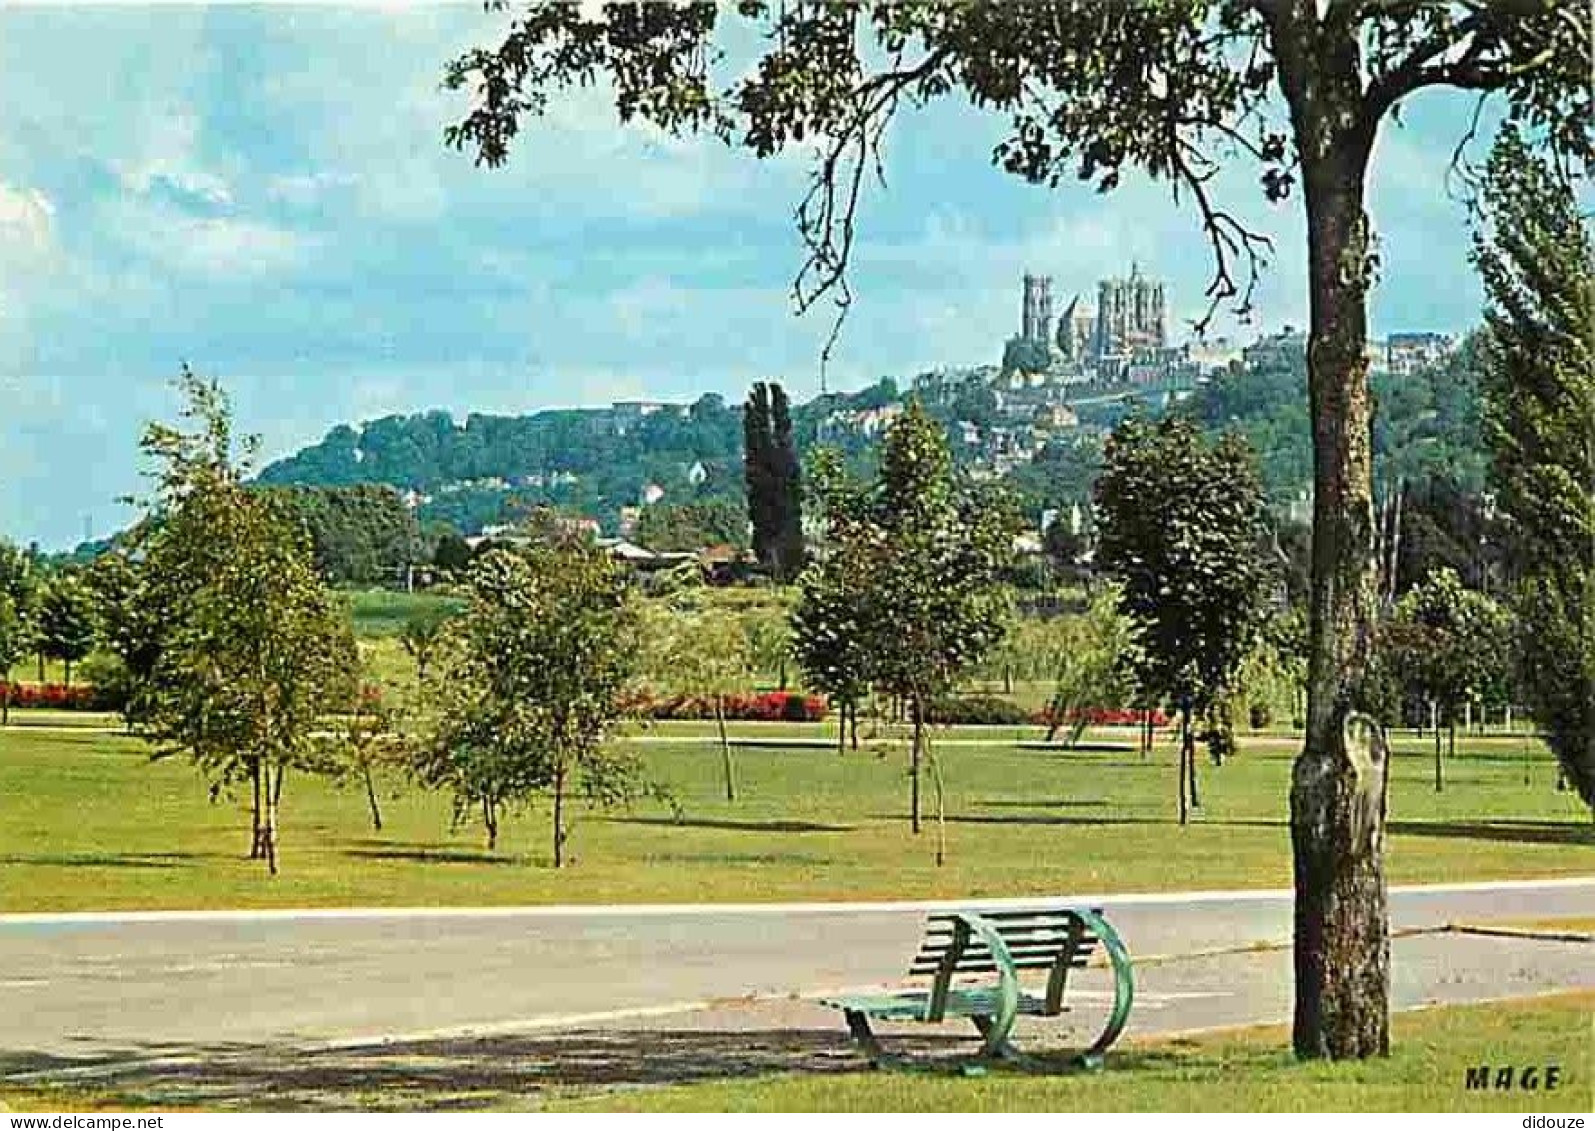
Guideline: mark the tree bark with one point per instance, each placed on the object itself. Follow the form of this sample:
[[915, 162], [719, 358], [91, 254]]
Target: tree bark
[[1338, 783], [1439, 776], [1184, 815], [490, 822], [257, 827], [913, 761], [371, 799], [273, 793], [559, 817], [1190, 757], [725, 750]]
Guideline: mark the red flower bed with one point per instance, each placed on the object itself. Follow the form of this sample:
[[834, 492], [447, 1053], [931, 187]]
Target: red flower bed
[[59, 697], [763, 707], [1106, 717]]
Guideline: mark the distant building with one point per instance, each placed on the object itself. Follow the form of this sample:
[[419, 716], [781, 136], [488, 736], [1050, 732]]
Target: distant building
[[1036, 316], [1276, 351], [1405, 353], [1132, 314]]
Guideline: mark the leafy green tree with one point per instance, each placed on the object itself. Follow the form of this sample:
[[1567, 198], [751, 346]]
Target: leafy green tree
[[255, 651], [704, 652], [14, 636], [1088, 658], [693, 526], [422, 635], [65, 626], [1092, 88], [1452, 645], [131, 627], [1533, 251], [359, 535], [929, 556], [829, 627], [453, 555], [774, 480], [1180, 524], [532, 679]]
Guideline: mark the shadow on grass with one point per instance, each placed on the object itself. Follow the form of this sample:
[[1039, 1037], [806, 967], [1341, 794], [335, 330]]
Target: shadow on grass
[[464, 1074], [1040, 803], [106, 859], [433, 855], [734, 825], [1511, 832]]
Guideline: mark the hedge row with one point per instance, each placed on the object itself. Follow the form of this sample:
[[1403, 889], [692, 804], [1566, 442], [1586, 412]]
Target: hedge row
[[58, 696], [764, 707]]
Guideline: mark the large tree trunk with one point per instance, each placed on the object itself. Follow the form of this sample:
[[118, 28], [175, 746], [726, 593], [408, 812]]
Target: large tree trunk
[[1342, 946], [1338, 783]]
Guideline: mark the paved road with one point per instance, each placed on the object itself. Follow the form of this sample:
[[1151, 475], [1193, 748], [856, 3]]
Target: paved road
[[135, 984]]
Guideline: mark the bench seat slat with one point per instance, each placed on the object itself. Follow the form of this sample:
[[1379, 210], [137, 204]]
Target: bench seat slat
[[910, 1006], [988, 965]]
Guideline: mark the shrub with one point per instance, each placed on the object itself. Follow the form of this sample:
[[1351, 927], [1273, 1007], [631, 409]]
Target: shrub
[[1105, 717], [766, 707], [976, 710], [59, 697]]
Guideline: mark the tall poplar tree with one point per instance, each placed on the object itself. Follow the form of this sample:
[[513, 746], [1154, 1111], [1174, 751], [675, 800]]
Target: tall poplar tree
[[1533, 250], [774, 480]]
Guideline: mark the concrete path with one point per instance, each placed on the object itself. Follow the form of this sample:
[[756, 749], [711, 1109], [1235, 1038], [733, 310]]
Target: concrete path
[[89, 984]]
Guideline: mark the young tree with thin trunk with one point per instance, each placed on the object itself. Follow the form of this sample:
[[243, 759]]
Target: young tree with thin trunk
[[65, 621], [1180, 526], [257, 651], [531, 679], [829, 622], [1092, 89], [706, 653], [927, 557]]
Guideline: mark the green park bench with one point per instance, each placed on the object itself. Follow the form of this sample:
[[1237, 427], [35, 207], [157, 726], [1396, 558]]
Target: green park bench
[[969, 966]]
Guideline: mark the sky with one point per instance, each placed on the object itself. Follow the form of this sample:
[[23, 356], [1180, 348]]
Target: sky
[[263, 192]]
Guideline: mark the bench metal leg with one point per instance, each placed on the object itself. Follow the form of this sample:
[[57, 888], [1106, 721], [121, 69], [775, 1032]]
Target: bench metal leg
[[997, 1046], [864, 1037]]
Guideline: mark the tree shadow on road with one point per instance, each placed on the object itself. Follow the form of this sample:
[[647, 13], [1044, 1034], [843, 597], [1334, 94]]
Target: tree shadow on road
[[433, 1075], [471, 1074]]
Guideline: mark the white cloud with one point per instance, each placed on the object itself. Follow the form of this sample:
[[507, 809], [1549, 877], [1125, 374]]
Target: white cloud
[[27, 221], [165, 155], [211, 246]]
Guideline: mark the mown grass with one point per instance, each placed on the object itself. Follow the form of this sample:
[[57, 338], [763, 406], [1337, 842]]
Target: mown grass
[[87, 821], [1246, 1070]]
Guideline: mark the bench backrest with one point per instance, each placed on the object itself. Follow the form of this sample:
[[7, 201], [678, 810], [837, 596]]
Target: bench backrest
[[1055, 939]]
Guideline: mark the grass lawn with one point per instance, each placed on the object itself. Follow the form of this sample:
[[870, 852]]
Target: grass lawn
[[88, 822], [1240, 1070]]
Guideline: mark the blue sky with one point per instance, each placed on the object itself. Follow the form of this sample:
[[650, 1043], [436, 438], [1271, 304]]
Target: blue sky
[[264, 193]]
